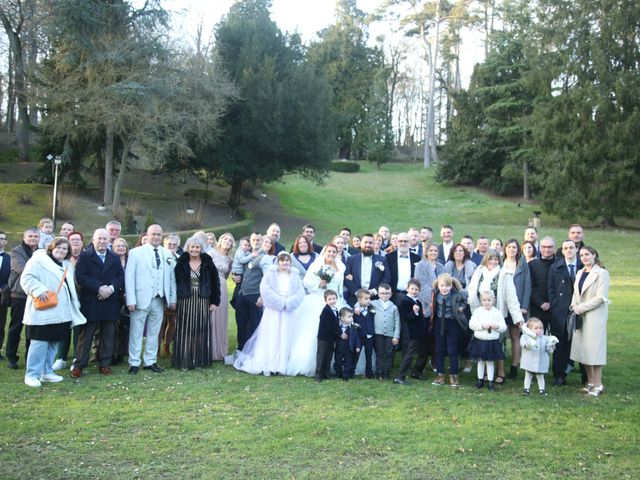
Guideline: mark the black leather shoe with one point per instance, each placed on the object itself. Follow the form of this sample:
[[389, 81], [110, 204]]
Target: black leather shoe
[[417, 376], [318, 378], [559, 381], [480, 383], [12, 365], [400, 381], [154, 368], [133, 370]]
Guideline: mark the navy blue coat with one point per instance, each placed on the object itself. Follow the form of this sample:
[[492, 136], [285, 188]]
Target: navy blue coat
[[416, 324], [378, 275], [560, 294], [367, 324], [91, 274]]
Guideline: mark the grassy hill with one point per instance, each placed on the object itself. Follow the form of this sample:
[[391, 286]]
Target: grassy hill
[[220, 423]]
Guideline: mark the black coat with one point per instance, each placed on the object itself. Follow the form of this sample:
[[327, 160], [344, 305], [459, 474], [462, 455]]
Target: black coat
[[560, 294], [329, 327], [209, 279], [91, 274], [539, 269], [416, 324], [392, 262]]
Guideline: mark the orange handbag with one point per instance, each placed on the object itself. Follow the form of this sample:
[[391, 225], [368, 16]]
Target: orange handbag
[[52, 297]]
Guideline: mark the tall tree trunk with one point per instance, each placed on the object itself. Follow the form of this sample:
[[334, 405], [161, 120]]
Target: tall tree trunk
[[525, 180], [234, 196], [107, 198], [15, 44], [11, 96], [121, 176], [430, 152]]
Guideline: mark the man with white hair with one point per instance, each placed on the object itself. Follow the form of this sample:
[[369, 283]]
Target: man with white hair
[[100, 276], [274, 232], [150, 286]]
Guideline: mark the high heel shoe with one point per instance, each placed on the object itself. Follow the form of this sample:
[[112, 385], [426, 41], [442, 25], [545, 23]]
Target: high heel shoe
[[587, 388], [596, 391]]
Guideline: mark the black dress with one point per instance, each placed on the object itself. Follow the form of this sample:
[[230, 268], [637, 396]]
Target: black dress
[[192, 341]]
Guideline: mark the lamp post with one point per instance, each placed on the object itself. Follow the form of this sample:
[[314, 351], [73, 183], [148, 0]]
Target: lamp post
[[57, 160]]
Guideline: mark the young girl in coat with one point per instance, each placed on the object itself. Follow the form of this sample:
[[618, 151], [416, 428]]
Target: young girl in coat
[[487, 324], [536, 348]]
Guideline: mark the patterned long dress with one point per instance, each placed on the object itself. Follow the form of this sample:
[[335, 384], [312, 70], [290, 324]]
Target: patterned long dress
[[192, 341], [220, 315]]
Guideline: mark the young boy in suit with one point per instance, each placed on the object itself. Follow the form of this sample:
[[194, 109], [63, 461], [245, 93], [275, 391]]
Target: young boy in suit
[[363, 316], [347, 349], [411, 313], [328, 333], [386, 321]]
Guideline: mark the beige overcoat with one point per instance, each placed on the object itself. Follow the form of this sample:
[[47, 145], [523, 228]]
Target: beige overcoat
[[589, 343]]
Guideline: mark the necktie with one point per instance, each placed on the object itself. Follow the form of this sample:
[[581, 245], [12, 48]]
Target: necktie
[[572, 272], [102, 256], [157, 257]]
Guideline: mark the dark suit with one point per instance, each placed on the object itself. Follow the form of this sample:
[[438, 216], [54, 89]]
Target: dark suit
[[367, 332], [5, 270], [346, 353], [317, 248], [392, 262], [279, 248], [328, 332], [441, 258], [19, 257], [379, 275], [539, 269], [417, 330], [476, 257], [560, 294], [91, 274]]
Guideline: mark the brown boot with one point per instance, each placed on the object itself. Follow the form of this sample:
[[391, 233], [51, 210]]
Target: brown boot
[[453, 379], [439, 380]]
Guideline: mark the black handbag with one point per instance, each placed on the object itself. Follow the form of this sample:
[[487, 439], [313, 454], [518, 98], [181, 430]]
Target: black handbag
[[574, 322]]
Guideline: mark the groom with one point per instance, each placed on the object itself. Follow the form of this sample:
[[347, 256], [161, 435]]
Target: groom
[[150, 284], [365, 270]]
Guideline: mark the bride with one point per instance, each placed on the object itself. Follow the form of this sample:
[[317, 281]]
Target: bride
[[267, 351], [303, 352]]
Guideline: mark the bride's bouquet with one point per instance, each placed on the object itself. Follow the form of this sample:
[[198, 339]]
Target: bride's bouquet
[[326, 273]]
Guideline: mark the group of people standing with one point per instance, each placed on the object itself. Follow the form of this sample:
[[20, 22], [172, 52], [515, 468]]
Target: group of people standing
[[354, 303], [405, 292]]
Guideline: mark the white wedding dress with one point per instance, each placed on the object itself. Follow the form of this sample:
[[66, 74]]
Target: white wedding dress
[[302, 360]]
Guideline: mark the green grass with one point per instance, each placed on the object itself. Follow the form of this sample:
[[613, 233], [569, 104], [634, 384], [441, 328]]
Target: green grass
[[220, 423]]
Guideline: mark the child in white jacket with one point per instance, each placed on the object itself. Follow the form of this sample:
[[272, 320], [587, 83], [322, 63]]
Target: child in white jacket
[[487, 324]]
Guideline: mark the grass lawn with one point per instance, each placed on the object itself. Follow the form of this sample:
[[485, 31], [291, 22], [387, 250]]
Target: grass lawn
[[220, 423]]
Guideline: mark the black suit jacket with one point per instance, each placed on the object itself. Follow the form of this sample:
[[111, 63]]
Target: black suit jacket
[[5, 269], [91, 274], [417, 325], [392, 261], [539, 269], [560, 287], [329, 327]]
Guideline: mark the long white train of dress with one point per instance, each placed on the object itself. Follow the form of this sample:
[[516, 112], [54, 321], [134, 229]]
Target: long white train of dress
[[302, 360]]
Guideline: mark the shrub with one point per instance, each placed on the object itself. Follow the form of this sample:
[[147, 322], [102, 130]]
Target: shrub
[[343, 166], [24, 199], [190, 221], [65, 203]]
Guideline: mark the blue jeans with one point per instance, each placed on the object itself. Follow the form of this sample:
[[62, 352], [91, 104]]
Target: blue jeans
[[40, 358]]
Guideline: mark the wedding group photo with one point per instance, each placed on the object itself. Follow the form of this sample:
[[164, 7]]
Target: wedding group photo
[[299, 239]]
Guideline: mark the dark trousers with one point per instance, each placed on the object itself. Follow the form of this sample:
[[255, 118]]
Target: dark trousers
[[344, 365], [121, 338], [448, 344], [561, 353], [384, 354], [248, 317], [323, 358], [367, 346], [15, 329], [417, 349], [3, 323], [85, 340], [65, 345]]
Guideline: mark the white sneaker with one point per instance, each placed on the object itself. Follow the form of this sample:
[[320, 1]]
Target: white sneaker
[[59, 364], [32, 382], [51, 378]]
